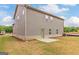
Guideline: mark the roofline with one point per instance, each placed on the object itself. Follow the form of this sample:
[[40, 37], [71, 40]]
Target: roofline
[[29, 7], [15, 11]]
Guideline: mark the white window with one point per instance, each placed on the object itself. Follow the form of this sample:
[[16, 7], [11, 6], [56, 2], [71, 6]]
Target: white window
[[23, 12], [51, 18], [46, 17]]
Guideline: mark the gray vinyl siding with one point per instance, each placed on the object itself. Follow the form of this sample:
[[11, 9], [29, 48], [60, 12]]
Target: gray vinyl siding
[[32, 23], [57, 24], [36, 21], [19, 26]]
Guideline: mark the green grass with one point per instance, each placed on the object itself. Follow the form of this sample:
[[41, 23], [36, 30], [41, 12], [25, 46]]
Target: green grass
[[65, 45], [3, 40]]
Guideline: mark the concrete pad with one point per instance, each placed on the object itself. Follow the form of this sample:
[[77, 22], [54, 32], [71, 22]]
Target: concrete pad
[[47, 40]]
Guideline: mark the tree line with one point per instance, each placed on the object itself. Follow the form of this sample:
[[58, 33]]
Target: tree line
[[71, 29], [7, 29]]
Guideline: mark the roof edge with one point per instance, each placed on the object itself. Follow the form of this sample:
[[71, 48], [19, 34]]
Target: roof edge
[[27, 6], [15, 11]]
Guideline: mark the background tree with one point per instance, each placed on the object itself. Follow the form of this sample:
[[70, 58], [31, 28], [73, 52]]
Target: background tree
[[71, 29], [7, 29]]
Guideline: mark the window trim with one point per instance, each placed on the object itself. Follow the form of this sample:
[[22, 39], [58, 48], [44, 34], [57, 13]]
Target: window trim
[[50, 31], [46, 16], [51, 18], [56, 31], [23, 12]]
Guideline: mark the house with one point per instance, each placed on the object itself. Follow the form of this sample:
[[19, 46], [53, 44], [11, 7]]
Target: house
[[2, 32], [33, 23]]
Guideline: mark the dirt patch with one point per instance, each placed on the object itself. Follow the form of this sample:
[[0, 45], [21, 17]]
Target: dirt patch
[[65, 45], [19, 47]]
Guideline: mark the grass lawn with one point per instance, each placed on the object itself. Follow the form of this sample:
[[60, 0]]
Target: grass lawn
[[65, 45]]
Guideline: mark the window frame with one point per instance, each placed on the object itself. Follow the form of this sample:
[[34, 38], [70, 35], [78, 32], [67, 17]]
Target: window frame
[[23, 12], [46, 17], [56, 31], [50, 31], [51, 18]]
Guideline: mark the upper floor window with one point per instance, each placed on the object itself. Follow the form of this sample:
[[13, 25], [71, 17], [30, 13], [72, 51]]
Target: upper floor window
[[46, 17], [51, 18], [23, 12]]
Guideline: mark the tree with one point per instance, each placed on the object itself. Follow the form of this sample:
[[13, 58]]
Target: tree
[[7, 29], [70, 29]]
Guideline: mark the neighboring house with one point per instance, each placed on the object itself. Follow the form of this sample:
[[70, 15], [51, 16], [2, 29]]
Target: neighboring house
[[33, 23], [2, 32]]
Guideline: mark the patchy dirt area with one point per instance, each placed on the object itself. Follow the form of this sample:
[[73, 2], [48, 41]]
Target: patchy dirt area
[[66, 45]]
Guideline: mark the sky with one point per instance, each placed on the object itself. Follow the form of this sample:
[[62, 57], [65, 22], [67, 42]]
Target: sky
[[6, 14], [69, 12]]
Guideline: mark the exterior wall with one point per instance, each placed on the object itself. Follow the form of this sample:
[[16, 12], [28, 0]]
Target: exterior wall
[[32, 24], [19, 25], [36, 22], [57, 24]]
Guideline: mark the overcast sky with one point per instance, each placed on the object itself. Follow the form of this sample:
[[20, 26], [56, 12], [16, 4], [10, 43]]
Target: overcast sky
[[70, 12]]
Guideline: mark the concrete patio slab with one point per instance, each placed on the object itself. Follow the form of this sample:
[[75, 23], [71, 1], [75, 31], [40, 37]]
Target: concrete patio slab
[[47, 40]]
